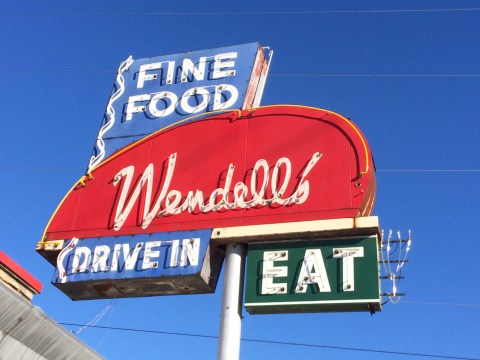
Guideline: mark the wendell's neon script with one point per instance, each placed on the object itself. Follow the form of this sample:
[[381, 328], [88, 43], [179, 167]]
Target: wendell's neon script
[[169, 202]]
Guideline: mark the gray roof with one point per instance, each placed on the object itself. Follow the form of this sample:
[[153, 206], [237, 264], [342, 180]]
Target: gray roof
[[27, 333]]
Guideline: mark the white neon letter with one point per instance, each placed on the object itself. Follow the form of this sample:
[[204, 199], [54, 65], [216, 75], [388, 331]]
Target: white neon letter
[[116, 255], [303, 189], [142, 75], [131, 258], [100, 258], [220, 66], [132, 108], [217, 99], [190, 252], [170, 100], [347, 255], [258, 197], [189, 67], [270, 271], [195, 92], [123, 208], [174, 253], [278, 193], [149, 254], [81, 259], [312, 272]]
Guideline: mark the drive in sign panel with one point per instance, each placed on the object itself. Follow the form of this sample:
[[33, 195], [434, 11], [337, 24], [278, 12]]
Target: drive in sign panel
[[138, 265]]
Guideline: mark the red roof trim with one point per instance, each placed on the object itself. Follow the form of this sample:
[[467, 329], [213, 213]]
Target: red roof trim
[[20, 272]]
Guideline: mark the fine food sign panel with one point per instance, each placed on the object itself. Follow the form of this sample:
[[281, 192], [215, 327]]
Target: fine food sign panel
[[313, 276], [154, 93]]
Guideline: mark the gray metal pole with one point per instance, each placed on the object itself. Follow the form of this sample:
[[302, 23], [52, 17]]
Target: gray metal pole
[[232, 301]]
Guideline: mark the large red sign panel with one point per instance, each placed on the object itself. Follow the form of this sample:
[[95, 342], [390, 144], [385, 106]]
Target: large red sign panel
[[271, 165]]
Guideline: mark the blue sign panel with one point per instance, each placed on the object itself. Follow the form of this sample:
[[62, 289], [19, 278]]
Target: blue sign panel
[[145, 255], [154, 93], [138, 265]]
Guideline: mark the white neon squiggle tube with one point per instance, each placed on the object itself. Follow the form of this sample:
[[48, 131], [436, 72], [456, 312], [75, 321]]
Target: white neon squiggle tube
[[100, 144], [62, 272]]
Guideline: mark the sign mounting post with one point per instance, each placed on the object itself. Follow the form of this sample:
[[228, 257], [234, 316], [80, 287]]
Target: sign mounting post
[[232, 298]]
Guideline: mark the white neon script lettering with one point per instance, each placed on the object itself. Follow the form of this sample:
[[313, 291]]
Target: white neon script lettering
[[173, 202]]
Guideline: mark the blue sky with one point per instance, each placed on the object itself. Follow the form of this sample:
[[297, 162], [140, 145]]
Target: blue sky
[[409, 79]]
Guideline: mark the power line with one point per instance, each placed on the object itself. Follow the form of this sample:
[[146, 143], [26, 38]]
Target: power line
[[440, 304], [313, 75], [59, 169], [362, 350], [429, 170], [53, 70], [47, 169], [241, 13], [38, 169], [272, 342], [381, 75], [142, 330]]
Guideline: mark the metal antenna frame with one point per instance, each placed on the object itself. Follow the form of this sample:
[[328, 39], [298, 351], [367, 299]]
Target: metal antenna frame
[[393, 252]]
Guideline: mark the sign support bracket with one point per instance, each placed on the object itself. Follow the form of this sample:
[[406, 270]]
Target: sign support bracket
[[232, 299]]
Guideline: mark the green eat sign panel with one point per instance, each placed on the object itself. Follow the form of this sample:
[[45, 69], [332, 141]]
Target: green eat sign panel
[[313, 276]]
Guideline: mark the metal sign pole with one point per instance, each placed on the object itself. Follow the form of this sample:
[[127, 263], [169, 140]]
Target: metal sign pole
[[232, 299]]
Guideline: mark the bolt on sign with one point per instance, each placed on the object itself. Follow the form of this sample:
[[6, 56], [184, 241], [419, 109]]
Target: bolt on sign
[[340, 274]]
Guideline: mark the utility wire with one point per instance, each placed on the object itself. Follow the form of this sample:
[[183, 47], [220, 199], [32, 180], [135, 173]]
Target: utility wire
[[381, 75], [59, 169], [277, 342], [38, 169], [429, 170], [440, 304], [53, 70], [313, 75], [241, 13]]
